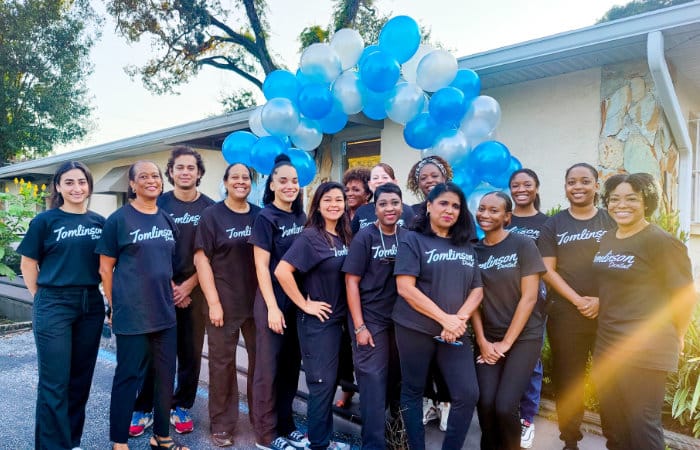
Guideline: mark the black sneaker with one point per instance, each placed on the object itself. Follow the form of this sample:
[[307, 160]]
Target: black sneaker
[[279, 443], [297, 439]]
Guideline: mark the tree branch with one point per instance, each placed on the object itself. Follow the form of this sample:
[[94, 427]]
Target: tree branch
[[230, 65]]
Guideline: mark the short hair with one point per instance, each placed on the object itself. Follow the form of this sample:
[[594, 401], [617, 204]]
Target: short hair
[[641, 183], [361, 174], [387, 168], [132, 177], [387, 188], [56, 199], [182, 150], [530, 173], [412, 183], [462, 231]]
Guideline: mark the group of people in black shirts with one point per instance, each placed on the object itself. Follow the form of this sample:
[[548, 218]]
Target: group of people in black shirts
[[423, 302]]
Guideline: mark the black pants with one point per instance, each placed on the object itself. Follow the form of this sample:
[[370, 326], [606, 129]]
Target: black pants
[[572, 345], [501, 386], [190, 339], [416, 350], [630, 407], [223, 378], [134, 354], [436, 387], [67, 325], [278, 360], [346, 370], [379, 379]]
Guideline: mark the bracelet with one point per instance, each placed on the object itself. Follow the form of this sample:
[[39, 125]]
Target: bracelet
[[360, 329]]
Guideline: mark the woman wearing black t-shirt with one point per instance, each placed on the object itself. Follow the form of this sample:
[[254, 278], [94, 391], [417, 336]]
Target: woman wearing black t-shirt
[[646, 304], [318, 255], [568, 241], [380, 174], [439, 288], [507, 326], [136, 251], [222, 243], [277, 345], [60, 269], [425, 175]]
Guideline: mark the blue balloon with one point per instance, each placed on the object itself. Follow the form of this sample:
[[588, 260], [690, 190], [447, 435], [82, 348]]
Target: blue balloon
[[305, 165], [315, 100], [468, 82], [366, 52], [421, 132], [400, 37], [489, 159], [334, 120], [465, 178], [448, 106], [264, 151], [374, 103], [281, 83], [302, 79], [237, 146], [380, 71], [502, 180]]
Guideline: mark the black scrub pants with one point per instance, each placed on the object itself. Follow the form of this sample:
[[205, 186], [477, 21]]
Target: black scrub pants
[[134, 354], [456, 363], [67, 324], [379, 378], [275, 382]]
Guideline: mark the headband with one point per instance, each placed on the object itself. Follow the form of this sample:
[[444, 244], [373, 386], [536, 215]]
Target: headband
[[429, 160]]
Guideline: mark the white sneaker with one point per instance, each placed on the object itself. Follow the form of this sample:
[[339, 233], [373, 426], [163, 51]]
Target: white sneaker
[[527, 433], [444, 410], [335, 445], [429, 411]]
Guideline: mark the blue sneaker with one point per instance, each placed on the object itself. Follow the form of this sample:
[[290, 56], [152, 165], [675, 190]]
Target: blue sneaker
[[181, 420], [139, 422], [297, 439]]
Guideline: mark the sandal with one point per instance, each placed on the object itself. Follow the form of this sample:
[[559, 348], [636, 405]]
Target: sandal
[[166, 443]]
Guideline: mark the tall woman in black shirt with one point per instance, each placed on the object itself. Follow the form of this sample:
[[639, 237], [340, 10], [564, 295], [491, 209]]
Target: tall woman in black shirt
[[60, 269], [222, 243]]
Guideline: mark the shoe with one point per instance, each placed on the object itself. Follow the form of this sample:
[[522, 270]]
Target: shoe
[[222, 439], [345, 401], [165, 443], [139, 422], [181, 420], [297, 439], [444, 412], [334, 445], [570, 446], [527, 433], [279, 443], [429, 411]]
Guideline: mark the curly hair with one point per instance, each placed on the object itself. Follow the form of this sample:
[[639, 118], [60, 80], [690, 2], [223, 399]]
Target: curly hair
[[413, 182], [182, 150], [641, 183], [360, 174]]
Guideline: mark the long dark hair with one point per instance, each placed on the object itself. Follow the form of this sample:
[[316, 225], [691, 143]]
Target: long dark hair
[[462, 231], [317, 221], [591, 169], [56, 199], [181, 150], [269, 194], [641, 183], [132, 177], [530, 173]]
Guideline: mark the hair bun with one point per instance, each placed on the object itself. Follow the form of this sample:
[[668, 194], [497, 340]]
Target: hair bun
[[282, 158]]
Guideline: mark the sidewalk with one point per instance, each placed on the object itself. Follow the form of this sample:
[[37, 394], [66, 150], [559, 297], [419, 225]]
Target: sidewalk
[[18, 391]]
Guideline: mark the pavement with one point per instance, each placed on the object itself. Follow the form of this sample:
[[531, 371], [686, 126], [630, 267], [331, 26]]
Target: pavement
[[18, 393]]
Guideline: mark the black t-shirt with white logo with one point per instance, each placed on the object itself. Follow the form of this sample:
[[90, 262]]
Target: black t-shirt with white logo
[[64, 246], [144, 246], [371, 257], [274, 230], [502, 268], [529, 226], [638, 276], [223, 236], [319, 256], [444, 272], [186, 215], [574, 243], [366, 215]]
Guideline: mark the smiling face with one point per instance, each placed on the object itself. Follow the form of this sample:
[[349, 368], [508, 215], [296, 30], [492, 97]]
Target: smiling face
[[147, 183], [444, 212], [285, 184], [185, 172], [73, 187], [491, 214], [581, 186], [523, 190], [378, 176], [626, 206], [238, 182], [357, 196], [388, 208], [429, 177], [332, 205]]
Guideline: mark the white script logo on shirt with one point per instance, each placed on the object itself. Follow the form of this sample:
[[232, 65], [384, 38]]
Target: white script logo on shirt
[[187, 218], [155, 233], [500, 262], [615, 260], [450, 255], [233, 234], [295, 229], [79, 231], [379, 252], [583, 235], [340, 251]]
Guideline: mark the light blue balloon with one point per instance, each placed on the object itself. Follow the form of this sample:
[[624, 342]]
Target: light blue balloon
[[264, 151], [347, 90], [305, 165], [237, 146], [308, 134], [334, 120], [468, 82], [280, 117], [400, 37], [490, 158], [315, 100], [281, 83], [448, 106], [366, 52], [452, 145], [406, 102], [374, 103], [380, 71], [421, 132]]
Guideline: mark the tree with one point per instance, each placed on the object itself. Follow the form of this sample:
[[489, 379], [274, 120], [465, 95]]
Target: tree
[[637, 7], [44, 62]]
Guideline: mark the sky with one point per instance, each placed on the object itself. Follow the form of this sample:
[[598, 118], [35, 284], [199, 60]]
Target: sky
[[124, 108]]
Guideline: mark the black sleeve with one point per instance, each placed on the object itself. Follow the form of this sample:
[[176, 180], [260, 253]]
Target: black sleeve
[[32, 245]]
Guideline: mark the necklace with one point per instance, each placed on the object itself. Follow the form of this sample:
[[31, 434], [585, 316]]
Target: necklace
[[386, 259]]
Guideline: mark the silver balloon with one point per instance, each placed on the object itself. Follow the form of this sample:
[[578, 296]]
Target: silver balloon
[[280, 117], [307, 135], [406, 102], [348, 44], [482, 118], [436, 70], [320, 63], [346, 89], [409, 68], [255, 122]]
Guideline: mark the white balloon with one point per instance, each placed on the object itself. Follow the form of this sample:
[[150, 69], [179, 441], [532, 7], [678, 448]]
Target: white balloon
[[452, 145], [482, 118], [348, 44], [346, 89], [280, 117], [320, 63], [408, 69], [406, 102], [307, 135], [255, 122], [436, 70], [475, 197]]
